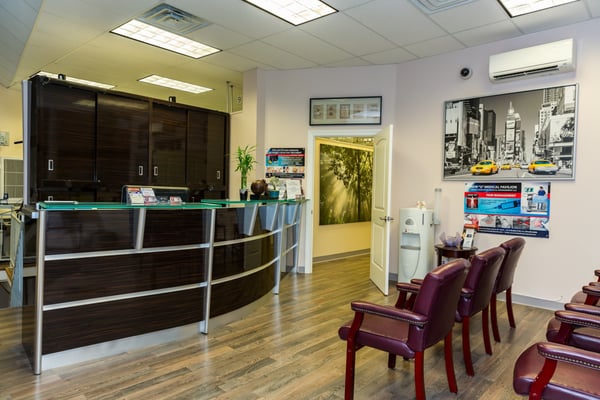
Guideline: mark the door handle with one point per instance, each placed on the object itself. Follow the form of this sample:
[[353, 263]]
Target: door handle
[[387, 218]]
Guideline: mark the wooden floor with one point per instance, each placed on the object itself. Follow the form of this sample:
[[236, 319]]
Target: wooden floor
[[287, 348]]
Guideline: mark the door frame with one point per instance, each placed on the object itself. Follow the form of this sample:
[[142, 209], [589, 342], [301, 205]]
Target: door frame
[[310, 172]]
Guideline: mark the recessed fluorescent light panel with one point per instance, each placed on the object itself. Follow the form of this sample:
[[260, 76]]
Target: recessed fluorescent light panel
[[295, 12], [77, 80], [514, 8], [143, 32], [174, 84]]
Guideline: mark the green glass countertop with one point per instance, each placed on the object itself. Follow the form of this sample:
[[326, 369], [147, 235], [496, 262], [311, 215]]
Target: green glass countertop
[[75, 205], [204, 204]]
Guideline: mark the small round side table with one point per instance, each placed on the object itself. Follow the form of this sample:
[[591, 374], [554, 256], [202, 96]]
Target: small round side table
[[453, 252]]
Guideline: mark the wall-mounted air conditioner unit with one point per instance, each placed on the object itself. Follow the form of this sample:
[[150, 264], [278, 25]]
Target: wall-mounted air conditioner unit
[[549, 58]]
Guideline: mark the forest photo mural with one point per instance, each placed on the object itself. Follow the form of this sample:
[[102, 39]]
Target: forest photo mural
[[346, 179]]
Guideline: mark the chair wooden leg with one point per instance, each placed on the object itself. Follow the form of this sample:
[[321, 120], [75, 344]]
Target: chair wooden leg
[[450, 363], [419, 375], [485, 327], [466, 345], [350, 362], [401, 302], [391, 361], [494, 315], [509, 309]]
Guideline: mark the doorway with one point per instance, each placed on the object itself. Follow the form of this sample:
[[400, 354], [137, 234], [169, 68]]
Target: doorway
[[311, 221]]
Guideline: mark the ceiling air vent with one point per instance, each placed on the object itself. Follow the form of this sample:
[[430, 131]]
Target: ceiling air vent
[[433, 6], [173, 19]]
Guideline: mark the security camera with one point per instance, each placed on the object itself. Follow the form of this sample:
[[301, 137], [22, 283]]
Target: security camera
[[465, 72]]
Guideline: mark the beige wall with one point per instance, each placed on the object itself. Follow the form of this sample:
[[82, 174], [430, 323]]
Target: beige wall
[[413, 97], [11, 121]]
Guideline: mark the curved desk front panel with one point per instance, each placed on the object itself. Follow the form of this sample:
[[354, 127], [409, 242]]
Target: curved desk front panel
[[108, 271]]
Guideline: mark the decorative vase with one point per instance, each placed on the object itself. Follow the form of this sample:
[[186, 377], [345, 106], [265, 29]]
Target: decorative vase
[[258, 187], [243, 194]]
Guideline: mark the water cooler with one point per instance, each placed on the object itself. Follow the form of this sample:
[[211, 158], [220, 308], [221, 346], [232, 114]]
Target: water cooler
[[416, 243]]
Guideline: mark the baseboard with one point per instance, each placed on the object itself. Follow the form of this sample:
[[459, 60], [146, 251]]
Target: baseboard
[[534, 302], [340, 256]]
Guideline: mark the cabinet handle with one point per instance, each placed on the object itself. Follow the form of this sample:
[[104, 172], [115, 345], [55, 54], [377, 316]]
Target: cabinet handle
[[140, 170], [218, 175], [155, 171], [50, 165]]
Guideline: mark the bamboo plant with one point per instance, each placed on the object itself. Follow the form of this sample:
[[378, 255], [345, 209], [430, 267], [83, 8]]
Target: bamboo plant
[[245, 161]]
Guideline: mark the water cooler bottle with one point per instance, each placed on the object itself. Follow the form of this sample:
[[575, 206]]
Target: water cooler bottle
[[416, 243]]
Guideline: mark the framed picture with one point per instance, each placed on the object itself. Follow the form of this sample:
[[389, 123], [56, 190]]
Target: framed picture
[[345, 111], [4, 138], [345, 182], [527, 135]]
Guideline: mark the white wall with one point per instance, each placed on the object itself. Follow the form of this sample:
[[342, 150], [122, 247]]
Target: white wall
[[413, 96]]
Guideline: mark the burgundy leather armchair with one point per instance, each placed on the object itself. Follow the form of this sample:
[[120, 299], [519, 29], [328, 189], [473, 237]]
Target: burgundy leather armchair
[[575, 332], [475, 297], [586, 301], [558, 371], [514, 248], [589, 294], [407, 333]]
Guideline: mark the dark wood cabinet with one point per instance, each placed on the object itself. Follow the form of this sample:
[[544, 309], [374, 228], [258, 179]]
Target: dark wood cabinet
[[85, 144], [167, 145], [63, 138], [207, 148], [122, 144]]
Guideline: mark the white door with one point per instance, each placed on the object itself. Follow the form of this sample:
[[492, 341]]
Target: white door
[[380, 209]]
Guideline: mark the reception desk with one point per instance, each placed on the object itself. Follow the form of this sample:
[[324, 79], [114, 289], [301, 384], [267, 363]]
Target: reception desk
[[109, 272]]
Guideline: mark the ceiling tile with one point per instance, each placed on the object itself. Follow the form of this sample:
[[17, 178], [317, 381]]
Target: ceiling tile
[[398, 21], [441, 45], [593, 6], [270, 55], [347, 34], [219, 37], [301, 43], [470, 15], [488, 33], [233, 62]]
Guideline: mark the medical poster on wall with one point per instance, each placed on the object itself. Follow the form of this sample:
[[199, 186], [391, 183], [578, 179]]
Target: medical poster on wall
[[508, 208], [285, 163]]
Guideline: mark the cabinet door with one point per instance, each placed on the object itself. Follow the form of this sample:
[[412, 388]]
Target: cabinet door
[[218, 157], [207, 155], [63, 139], [167, 145], [122, 154]]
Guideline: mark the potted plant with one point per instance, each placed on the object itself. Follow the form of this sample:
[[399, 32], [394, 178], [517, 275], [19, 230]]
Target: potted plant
[[245, 161], [274, 183]]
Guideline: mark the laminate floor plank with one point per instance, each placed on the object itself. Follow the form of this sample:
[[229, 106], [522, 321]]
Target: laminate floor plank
[[284, 348]]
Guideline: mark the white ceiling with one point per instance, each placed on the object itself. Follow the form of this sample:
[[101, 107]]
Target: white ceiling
[[72, 37]]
